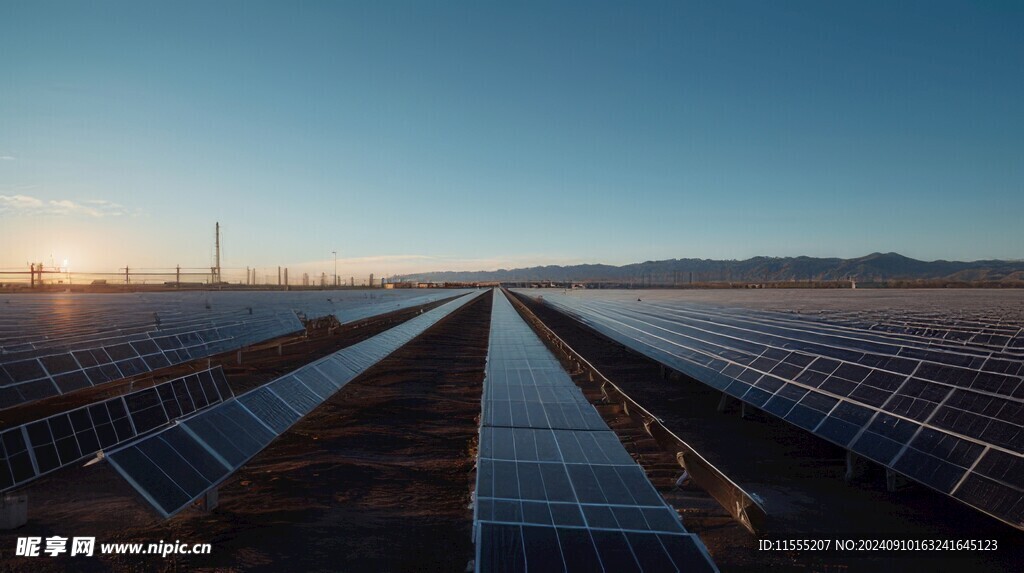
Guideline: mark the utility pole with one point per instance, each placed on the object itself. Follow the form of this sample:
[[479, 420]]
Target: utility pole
[[335, 253], [216, 275]]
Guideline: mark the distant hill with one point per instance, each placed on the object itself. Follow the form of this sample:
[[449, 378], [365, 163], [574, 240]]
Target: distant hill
[[876, 267]]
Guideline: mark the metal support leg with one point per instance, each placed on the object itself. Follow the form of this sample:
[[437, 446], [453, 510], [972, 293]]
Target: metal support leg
[[210, 500], [893, 481], [13, 511]]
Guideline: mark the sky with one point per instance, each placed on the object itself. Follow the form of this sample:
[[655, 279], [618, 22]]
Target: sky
[[417, 136]]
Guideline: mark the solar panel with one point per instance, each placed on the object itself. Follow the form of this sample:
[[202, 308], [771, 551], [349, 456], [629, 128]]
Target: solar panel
[[928, 405], [296, 394], [39, 447], [230, 432], [270, 409], [172, 468], [556, 490]]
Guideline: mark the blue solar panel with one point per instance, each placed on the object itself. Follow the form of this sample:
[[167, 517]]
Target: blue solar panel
[[267, 407]]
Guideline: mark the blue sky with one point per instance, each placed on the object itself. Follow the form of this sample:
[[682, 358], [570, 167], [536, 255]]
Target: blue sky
[[442, 135]]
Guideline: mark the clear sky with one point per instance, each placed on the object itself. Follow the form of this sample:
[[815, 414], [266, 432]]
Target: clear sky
[[475, 135]]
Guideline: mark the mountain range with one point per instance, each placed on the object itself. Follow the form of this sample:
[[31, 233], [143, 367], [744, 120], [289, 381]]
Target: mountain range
[[876, 267]]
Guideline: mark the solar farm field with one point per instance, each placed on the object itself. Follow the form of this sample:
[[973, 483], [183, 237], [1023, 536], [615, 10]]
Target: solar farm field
[[480, 430], [925, 383]]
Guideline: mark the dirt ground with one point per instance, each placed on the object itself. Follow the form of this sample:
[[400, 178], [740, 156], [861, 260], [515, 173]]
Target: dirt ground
[[799, 476], [376, 479]]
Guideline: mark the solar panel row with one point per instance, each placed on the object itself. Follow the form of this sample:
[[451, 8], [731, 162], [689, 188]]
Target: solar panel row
[[928, 330], [29, 379], [56, 344], [988, 331], [171, 469], [555, 488], [41, 324], [950, 319], [950, 420], [817, 332], [37, 448]]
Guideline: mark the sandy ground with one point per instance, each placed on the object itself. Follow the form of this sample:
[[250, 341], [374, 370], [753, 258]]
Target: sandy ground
[[376, 479], [798, 475]]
